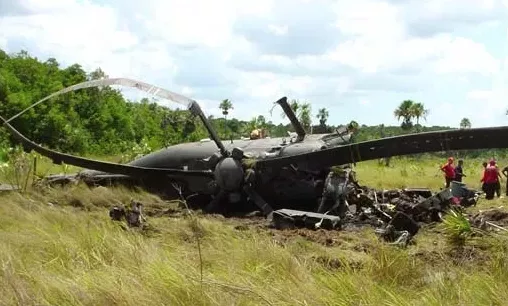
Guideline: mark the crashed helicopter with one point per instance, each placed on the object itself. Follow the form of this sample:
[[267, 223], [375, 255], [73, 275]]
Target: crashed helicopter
[[270, 173]]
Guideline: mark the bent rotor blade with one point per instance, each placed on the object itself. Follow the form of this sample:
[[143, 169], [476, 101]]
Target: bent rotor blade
[[465, 139], [151, 89], [191, 105], [107, 167]]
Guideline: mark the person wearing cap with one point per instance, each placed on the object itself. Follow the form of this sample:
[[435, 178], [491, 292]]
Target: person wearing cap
[[449, 172]]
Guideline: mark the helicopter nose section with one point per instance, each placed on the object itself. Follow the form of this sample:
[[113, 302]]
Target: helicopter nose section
[[229, 174]]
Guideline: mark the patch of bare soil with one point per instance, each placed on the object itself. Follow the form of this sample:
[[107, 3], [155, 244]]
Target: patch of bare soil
[[459, 256], [431, 257], [495, 215], [468, 254], [324, 237], [328, 238]]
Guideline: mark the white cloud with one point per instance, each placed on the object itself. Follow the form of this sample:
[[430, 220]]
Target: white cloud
[[335, 54], [490, 103]]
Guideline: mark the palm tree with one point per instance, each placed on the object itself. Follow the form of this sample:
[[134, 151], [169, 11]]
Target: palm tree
[[225, 106], [406, 112], [465, 123], [418, 111], [322, 116]]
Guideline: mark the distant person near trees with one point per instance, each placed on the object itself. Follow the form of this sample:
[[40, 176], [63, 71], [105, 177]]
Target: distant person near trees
[[449, 172]]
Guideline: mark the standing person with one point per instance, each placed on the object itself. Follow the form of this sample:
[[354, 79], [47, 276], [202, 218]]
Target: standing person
[[505, 173], [490, 180], [498, 177], [459, 172], [449, 172], [484, 164]]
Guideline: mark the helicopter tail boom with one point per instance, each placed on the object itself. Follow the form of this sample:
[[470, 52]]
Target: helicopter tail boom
[[440, 141]]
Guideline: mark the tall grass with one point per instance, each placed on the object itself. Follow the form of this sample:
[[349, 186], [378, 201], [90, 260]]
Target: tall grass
[[59, 247]]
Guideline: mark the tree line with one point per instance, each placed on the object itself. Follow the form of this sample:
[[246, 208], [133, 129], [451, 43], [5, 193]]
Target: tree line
[[101, 121]]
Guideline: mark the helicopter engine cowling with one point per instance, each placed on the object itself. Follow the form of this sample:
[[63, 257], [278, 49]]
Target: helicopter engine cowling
[[229, 174]]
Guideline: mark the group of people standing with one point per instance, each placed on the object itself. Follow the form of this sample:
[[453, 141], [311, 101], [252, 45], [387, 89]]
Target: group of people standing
[[453, 173], [491, 179]]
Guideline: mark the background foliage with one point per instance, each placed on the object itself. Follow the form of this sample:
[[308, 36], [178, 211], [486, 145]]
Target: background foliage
[[102, 122]]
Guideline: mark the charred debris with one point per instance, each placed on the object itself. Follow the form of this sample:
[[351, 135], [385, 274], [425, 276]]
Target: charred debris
[[396, 215]]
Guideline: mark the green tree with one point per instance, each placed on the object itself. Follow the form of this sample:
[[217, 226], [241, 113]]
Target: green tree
[[304, 115], [418, 111], [465, 123], [225, 105], [322, 116], [405, 111]]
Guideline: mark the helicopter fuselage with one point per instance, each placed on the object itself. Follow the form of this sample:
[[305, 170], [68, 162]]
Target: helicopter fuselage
[[297, 183]]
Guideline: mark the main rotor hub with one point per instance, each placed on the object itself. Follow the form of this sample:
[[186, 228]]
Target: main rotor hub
[[229, 174]]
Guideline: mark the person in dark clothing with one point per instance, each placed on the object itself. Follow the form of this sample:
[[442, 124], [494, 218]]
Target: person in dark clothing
[[490, 179], [459, 172], [499, 177], [484, 164], [505, 173]]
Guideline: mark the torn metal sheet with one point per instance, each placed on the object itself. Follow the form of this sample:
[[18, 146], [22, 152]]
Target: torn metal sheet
[[287, 218]]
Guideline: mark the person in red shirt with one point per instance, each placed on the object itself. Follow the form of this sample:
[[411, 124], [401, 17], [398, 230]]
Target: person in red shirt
[[490, 179], [449, 172]]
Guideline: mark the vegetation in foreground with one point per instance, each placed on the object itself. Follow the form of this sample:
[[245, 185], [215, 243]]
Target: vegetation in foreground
[[59, 247]]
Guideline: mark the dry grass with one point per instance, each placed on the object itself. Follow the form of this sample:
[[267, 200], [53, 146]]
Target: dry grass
[[60, 248]]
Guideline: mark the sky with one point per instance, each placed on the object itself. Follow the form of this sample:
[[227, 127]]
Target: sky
[[358, 58]]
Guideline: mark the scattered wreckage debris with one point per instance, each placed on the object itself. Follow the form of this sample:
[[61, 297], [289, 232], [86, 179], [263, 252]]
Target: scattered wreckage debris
[[289, 218], [8, 187], [397, 214], [133, 216], [494, 218]]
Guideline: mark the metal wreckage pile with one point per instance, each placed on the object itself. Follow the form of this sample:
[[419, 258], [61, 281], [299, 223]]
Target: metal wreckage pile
[[396, 214]]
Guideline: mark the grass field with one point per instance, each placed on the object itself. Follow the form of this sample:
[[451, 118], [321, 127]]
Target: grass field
[[60, 248]]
